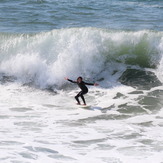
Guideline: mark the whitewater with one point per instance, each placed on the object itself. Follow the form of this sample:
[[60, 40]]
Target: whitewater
[[39, 119]]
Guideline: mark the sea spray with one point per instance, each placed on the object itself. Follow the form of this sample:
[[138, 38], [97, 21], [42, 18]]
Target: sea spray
[[44, 59]]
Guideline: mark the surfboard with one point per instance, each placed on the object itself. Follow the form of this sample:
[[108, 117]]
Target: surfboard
[[93, 108], [89, 107]]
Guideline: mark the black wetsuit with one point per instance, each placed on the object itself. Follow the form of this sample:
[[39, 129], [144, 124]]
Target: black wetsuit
[[84, 90]]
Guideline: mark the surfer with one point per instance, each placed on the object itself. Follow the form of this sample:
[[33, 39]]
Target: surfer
[[82, 86]]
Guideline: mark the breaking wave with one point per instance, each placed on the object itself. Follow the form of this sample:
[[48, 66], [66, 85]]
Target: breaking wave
[[44, 59]]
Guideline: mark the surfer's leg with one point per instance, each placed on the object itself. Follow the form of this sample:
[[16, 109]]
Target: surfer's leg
[[77, 98], [83, 99]]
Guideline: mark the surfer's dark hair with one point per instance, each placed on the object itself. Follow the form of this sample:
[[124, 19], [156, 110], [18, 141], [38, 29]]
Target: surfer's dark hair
[[80, 78]]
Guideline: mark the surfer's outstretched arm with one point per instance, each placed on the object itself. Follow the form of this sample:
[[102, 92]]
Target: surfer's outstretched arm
[[70, 80], [95, 84]]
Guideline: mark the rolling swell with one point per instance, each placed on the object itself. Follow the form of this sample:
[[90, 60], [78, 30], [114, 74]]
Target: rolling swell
[[44, 59]]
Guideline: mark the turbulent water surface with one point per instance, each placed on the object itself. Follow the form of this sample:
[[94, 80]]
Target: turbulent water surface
[[117, 44]]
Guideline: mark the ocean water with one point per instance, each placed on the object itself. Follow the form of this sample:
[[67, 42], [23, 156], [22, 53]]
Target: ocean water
[[117, 44]]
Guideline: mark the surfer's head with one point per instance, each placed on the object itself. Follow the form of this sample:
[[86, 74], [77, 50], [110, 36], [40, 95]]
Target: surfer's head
[[79, 79]]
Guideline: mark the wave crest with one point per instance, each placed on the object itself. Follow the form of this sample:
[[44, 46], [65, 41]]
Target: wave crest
[[98, 54]]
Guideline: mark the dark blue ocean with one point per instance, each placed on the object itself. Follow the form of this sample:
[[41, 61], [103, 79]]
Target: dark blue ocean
[[28, 16], [115, 43]]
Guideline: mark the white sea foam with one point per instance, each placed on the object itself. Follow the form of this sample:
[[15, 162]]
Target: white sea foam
[[45, 126]]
